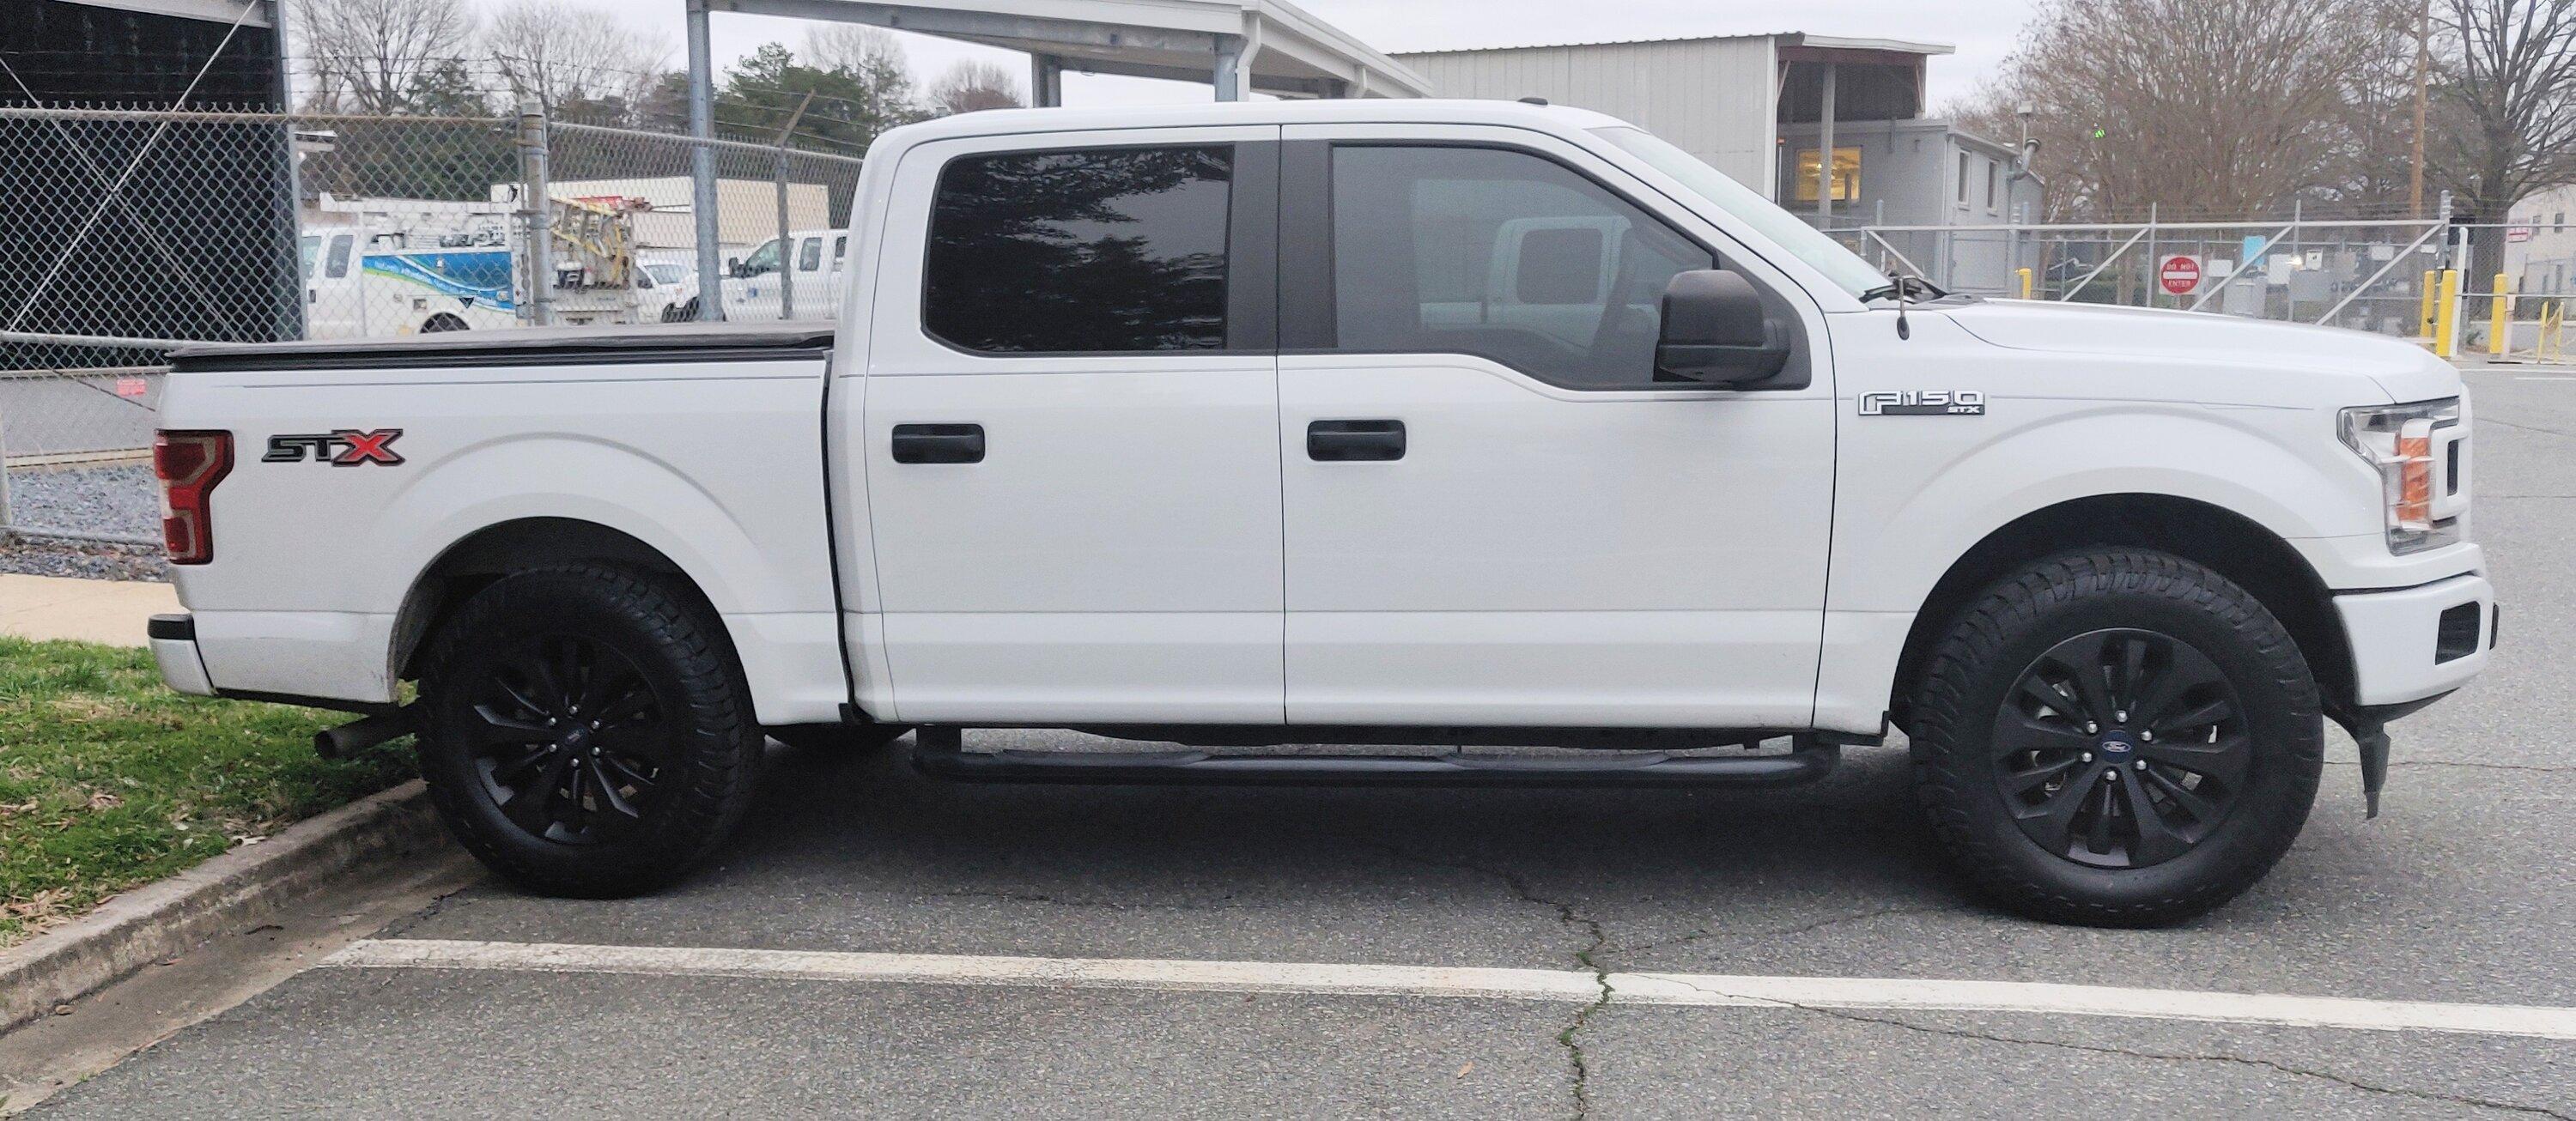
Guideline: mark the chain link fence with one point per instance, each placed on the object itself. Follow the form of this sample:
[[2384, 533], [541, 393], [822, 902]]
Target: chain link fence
[[124, 233], [2364, 275]]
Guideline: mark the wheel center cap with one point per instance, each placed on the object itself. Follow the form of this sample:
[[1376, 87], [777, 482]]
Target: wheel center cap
[[578, 737], [2117, 745]]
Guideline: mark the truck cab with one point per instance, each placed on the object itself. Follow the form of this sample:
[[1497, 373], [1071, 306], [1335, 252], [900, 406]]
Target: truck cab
[[1355, 423]]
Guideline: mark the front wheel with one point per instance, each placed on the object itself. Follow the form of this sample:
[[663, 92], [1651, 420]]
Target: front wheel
[[587, 733], [2116, 738]]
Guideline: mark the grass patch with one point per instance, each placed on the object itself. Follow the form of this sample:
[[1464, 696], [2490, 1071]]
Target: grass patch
[[108, 779]]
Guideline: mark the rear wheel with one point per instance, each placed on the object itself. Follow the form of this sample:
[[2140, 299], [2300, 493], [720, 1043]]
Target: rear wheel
[[442, 323], [587, 733], [2116, 738]]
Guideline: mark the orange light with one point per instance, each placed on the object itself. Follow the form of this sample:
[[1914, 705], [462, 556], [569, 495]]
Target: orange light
[[2415, 479]]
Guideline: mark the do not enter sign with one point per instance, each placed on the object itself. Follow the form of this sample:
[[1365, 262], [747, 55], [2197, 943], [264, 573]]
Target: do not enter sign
[[2180, 274]]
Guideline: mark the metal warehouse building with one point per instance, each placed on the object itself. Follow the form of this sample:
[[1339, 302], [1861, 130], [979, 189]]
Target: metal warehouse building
[[1763, 108]]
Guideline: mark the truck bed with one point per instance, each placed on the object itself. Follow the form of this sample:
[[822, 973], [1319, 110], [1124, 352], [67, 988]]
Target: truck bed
[[534, 345]]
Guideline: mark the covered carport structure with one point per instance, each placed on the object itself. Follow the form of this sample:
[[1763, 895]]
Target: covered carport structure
[[1238, 47]]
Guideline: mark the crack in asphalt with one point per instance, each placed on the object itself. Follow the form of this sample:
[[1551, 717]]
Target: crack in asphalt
[[1783, 932], [1578, 1061], [1225, 903], [2159, 1056]]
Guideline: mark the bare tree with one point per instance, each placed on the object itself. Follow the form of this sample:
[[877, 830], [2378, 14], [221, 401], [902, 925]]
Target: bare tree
[[2504, 101], [2225, 107], [376, 56], [856, 50], [971, 85], [575, 61]]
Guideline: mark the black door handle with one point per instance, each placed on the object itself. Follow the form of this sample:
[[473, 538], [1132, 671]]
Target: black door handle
[[938, 443], [1348, 441]]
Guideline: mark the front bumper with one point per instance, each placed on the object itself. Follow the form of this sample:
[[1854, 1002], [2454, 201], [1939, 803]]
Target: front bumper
[[2419, 642], [174, 649]]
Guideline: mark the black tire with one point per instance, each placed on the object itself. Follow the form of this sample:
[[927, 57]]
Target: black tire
[[618, 801], [442, 323], [839, 739], [2029, 802]]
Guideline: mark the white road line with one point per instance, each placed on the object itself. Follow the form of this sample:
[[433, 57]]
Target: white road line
[[1569, 986]]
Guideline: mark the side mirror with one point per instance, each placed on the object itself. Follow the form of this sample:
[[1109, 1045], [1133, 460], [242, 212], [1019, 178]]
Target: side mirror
[[733, 267], [1716, 332]]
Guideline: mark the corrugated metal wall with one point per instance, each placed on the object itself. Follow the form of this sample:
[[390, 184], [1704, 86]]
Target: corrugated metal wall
[[1713, 97]]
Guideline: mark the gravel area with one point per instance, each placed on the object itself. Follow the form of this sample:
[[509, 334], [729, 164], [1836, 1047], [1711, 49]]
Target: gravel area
[[114, 498], [93, 562]]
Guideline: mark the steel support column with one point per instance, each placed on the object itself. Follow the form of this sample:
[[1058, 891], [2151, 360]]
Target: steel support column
[[702, 164]]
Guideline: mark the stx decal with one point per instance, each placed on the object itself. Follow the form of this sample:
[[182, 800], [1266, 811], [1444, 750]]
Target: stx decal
[[1924, 402], [346, 447]]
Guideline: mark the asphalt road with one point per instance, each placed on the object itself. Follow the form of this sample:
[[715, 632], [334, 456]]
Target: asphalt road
[[2462, 892]]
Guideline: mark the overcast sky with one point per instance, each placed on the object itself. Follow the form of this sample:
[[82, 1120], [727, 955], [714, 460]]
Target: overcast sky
[[1982, 30]]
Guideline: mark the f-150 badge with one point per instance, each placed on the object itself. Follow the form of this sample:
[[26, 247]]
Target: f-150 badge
[[345, 447], [1924, 402]]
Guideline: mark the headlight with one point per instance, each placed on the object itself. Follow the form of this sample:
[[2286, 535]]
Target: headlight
[[2420, 453]]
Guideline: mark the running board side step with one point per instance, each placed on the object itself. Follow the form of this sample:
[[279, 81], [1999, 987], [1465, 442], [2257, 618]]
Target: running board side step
[[1807, 763]]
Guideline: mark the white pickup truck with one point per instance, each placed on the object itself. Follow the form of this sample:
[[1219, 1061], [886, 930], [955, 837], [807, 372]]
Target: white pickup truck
[[1358, 423]]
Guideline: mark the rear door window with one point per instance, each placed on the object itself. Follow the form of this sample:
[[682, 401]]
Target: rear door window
[[1093, 250]]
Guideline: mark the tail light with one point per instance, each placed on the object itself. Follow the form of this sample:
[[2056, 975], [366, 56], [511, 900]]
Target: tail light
[[190, 464]]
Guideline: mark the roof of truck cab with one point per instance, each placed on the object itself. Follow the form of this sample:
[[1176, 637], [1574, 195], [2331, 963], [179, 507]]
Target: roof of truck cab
[[1445, 111], [518, 347]]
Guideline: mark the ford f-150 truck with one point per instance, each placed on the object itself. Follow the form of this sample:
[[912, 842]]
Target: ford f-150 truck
[[1354, 423]]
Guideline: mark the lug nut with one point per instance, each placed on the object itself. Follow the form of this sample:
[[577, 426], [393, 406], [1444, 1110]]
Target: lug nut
[[2142, 764], [2091, 728], [2086, 758], [2146, 735], [2120, 718], [2113, 776]]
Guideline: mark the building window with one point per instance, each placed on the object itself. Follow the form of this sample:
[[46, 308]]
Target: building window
[[1994, 185], [1081, 251], [1963, 179], [1846, 175]]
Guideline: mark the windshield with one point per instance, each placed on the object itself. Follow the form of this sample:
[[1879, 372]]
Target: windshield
[[666, 274], [1822, 253]]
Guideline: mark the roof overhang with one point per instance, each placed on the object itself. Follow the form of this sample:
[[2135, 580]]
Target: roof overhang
[[1838, 43], [1290, 52], [248, 13]]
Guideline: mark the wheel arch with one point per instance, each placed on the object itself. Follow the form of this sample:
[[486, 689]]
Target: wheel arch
[[488, 554], [2215, 537]]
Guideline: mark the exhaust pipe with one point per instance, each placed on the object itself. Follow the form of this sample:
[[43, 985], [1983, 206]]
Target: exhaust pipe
[[349, 739]]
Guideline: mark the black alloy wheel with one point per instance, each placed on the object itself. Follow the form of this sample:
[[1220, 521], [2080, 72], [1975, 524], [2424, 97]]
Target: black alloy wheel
[[571, 740], [2121, 748]]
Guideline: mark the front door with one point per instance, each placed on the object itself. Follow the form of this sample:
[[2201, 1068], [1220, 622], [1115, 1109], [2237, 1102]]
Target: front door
[[1071, 430], [1496, 515]]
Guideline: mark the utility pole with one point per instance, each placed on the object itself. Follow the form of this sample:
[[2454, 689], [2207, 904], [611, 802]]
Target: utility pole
[[2423, 76], [786, 263]]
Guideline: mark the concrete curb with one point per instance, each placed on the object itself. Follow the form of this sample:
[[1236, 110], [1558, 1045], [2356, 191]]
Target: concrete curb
[[228, 893]]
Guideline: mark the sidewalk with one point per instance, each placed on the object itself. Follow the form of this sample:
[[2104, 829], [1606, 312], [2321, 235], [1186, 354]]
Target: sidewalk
[[108, 611]]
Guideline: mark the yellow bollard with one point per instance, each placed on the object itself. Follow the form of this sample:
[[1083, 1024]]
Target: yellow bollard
[[2500, 317], [2025, 282], [2446, 316], [2424, 322]]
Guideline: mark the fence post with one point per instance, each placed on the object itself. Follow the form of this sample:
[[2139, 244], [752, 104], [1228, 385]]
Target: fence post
[[5, 523], [2026, 279], [778, 172], [540, 210], [2499, 317], [2424, 319]]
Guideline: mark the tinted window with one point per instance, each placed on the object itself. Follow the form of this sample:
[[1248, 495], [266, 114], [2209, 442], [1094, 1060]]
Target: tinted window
[[810, 258], [1504, 255], [763, 260], [1090, 250], [337, 264]]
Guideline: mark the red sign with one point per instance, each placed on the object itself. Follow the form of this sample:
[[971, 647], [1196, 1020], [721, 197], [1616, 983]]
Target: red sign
[[2180, 275], [132, 387]]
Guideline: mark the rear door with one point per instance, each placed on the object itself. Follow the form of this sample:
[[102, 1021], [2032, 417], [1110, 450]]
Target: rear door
[[1496, 514], [1071, 430]]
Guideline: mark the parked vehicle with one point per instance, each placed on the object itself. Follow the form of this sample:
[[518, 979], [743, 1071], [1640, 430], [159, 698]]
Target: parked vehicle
[[1361, 423], [473, 275], [796, 277]]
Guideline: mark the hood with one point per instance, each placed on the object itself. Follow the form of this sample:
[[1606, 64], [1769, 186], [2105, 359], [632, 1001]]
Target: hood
[[2402, 369]]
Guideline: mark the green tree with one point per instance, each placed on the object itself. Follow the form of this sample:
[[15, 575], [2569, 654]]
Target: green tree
[[853, 101]]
